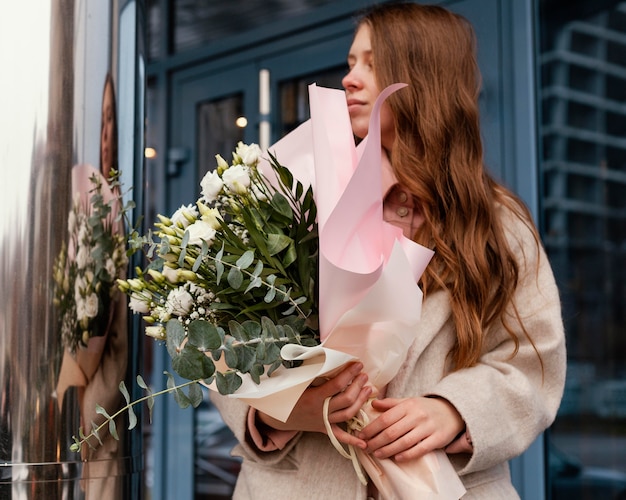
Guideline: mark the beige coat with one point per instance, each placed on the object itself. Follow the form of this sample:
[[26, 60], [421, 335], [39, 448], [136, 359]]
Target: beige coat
[[506, 402]]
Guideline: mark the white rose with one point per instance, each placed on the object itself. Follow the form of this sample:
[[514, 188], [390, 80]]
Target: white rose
[[170, 274], [84, 232], [249, 154], [199, 231], [211, 185], [91, 305], [237, 179], [179, 302], [183, 215], [138, 305], [110, 267], [71, 222], [83, 257]]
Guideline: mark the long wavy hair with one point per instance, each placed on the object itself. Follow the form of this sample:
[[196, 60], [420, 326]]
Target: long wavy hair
[[438, 156]]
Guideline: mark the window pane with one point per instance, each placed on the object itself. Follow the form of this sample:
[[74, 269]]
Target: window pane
[[218, 132], [583, 75], [196, 23], [294, 96]]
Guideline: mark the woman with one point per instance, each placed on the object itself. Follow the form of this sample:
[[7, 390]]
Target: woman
[[485, 375]]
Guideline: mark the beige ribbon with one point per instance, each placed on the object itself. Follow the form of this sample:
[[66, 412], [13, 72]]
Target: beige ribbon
[[354, 424]]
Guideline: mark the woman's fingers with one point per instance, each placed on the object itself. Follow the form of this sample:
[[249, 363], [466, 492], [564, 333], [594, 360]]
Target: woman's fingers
[[347, 438], [411, 427]]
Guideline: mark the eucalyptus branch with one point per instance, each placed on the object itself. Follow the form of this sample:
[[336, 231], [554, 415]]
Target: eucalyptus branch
[[109, 420]]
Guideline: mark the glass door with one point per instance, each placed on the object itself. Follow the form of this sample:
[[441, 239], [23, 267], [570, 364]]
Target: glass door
[[213, 109]]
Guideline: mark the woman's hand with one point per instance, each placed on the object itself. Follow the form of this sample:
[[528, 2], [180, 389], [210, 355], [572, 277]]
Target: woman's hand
[[348, 394], [411, 427]]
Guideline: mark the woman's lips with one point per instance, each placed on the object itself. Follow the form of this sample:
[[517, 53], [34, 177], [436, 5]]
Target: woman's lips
[[354, 105]]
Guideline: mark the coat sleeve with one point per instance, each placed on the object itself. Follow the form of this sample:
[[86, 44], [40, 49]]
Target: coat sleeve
[[509, 398], [235, 414]]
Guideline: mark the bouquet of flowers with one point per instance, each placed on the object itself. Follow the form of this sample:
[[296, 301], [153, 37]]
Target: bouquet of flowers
[[87, 267], [231, 279], [236, 283]]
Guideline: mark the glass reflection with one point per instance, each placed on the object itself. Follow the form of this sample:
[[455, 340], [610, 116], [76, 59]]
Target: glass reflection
[[583, 69]]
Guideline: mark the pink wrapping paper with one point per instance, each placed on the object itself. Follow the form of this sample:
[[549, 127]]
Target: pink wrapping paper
[[369, 301]]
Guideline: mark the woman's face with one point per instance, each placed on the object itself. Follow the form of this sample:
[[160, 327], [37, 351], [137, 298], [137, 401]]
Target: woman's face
[[106, 138], [362, 89]]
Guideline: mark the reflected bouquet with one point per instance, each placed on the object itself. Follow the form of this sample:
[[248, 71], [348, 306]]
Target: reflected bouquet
[[231, 278], [88, 265]]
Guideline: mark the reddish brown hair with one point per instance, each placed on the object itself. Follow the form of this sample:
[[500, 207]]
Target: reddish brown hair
[[438, 156]]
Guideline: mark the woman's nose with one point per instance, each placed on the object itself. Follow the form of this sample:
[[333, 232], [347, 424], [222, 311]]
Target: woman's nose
[[350, 81]]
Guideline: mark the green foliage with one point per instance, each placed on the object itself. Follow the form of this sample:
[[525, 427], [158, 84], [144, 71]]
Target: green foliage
[[193, 398], [242, 290]]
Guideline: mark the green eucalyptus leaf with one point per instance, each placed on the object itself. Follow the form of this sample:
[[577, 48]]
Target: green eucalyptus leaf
[[252, 329], [269, 328], [197, 263], [230, 355], [175, 333], [100, 410], [235, 278], [272, 354], [124, 392], [258, 268], [195, 395], [219, 267], [256, 282], [275, 366], [261, 350], [245, 260], [142, 383], [181, 257], [246, 357], [204, 335], [270, 295], [181, 399], [255, 373], [236, 330], [132, 418], [193, 364], [113, 430], [227, 383]]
